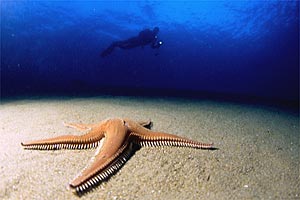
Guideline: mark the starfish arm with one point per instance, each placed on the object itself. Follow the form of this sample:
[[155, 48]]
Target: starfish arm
[[88, 140], [107, 160], [86, 127], [80, 127], [145, 137]]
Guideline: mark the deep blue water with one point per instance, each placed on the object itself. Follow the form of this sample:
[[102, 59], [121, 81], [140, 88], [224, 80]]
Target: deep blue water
[[239, 49]]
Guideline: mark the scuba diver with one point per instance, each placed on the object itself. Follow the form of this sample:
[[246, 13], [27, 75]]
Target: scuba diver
[[145, 37]]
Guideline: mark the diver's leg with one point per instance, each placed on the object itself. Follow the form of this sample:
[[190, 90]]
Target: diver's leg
[[125, 44], [109, 49], [129, 43], [122, 44]]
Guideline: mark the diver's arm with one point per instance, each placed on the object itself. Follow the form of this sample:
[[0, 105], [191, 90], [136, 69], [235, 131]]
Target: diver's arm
[[154, 43]]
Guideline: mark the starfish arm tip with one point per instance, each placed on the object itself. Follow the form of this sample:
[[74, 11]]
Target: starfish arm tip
[[24, 144]]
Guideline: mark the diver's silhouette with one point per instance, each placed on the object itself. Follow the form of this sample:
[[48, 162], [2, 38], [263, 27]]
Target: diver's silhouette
[[145, 37]]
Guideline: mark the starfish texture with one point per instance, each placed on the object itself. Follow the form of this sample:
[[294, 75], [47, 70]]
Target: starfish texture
[[114, 140]]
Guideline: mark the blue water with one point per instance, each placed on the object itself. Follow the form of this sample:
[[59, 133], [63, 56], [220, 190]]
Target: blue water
[[240, 49]]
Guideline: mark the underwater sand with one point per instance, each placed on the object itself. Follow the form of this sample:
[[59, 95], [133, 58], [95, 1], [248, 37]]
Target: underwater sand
[[258, 155]]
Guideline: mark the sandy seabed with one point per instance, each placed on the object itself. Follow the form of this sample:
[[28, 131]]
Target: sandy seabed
[[257, 156]]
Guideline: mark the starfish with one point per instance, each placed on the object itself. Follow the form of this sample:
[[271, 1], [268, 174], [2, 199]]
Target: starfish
[[114, 140]]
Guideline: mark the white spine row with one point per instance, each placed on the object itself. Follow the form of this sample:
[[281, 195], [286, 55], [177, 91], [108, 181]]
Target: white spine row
[[171, 142], [110, 170], [62, 146]]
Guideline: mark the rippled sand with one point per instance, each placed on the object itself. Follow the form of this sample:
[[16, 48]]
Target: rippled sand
[[258, 155]]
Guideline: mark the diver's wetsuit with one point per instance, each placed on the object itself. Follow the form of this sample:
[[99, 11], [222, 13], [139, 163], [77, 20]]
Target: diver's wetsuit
[[145, 37]]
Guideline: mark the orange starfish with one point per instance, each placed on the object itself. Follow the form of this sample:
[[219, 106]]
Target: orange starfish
[[119, 136]]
